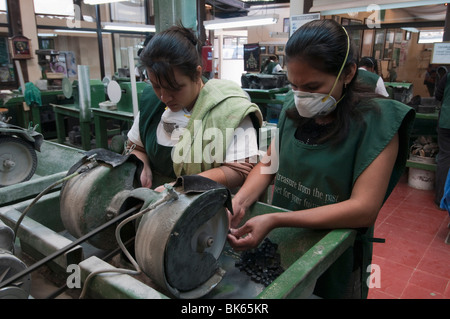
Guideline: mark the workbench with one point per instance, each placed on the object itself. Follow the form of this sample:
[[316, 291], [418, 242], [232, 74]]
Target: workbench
[[270, 101], [22, 117], [72, 110], [305, 255], [101, 117]]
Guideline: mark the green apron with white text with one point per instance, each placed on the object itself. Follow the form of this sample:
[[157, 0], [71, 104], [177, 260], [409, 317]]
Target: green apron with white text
[[315, 175]]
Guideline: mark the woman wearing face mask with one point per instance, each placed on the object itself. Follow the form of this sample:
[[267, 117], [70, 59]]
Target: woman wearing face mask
[[186, 124], [340, 154]]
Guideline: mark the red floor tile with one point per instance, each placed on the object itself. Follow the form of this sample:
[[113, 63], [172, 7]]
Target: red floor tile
[[436, 261], [415, 260], [394, 277], [418, 292], [429, 281]]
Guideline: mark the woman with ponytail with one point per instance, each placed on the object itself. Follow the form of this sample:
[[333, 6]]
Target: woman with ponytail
[[188, 124]]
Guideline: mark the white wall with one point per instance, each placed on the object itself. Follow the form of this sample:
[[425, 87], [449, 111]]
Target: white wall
[[232, 70]]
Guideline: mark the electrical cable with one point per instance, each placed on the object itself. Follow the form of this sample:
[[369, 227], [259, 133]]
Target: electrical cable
[[93, 163], [170, 195], [45, 191]]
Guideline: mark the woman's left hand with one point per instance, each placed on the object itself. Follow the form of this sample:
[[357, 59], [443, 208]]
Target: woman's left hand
[[251, 233]]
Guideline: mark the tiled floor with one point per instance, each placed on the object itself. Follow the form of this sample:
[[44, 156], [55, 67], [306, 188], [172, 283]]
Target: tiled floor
[[414, 262]]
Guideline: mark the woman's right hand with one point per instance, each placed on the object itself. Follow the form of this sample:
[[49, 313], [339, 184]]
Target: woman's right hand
[[146, 177], [251, 233]]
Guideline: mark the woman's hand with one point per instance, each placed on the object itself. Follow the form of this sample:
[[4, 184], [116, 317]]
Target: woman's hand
[[146, 177], [251, 233], [238, 213]]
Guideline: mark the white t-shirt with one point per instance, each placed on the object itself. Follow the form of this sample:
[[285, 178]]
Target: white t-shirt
[[277, 68], [380, 88], [172, 124]]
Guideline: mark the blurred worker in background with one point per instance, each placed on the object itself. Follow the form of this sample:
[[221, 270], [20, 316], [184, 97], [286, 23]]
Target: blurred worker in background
[[271, 65], [368, 75]]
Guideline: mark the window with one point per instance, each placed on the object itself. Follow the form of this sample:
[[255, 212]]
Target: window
[[128, 11], [54, 7], [431, 36], [233, 47]]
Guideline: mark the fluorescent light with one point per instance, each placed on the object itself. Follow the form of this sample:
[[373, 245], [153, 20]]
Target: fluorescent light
[[100, 1], [74, 31], [240, 22], [129, 27], [47, 35]]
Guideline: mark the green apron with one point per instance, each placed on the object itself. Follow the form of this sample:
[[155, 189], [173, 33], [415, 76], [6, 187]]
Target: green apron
[[315, 175], [368, 78], [151, 109]]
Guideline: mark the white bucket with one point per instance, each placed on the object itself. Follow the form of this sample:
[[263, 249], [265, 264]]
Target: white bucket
[[421, 179]]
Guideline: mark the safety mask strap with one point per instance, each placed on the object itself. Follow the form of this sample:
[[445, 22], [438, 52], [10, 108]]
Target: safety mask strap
[[340, 71]]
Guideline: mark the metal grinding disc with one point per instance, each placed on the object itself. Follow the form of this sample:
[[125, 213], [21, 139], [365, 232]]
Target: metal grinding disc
[[67, 88], [10, 266], [114, 91], [18, 161], [178, 243], [85, 199]]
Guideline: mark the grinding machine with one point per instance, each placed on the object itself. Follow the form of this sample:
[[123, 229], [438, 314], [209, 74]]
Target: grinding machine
[[18, 148], [179, 233], [153, 244]]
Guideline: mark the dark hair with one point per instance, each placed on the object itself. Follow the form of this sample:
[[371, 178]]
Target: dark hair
[[369, 62], [173, 48], [323, 44]]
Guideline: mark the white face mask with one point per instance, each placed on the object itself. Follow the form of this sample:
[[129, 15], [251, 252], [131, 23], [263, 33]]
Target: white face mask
[[172, 121], [314, 104]]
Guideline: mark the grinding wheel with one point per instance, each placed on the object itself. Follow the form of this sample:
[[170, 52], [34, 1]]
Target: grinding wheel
[[10, 266], [85, 201], [177, 244], [18, 161]]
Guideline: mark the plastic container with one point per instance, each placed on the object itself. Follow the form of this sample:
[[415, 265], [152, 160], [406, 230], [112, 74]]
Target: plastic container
[[421, 178]]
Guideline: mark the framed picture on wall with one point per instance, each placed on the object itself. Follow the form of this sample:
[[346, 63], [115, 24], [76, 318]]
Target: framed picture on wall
[[280, 49], [251, 57], [20, 47]]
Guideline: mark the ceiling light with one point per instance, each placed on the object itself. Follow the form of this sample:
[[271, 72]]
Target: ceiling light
[[100, 1], [241, 22], [47, 35], [74, 31], [129, 27]]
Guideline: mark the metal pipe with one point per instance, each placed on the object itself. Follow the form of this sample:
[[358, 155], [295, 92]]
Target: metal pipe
[[70, 246]]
